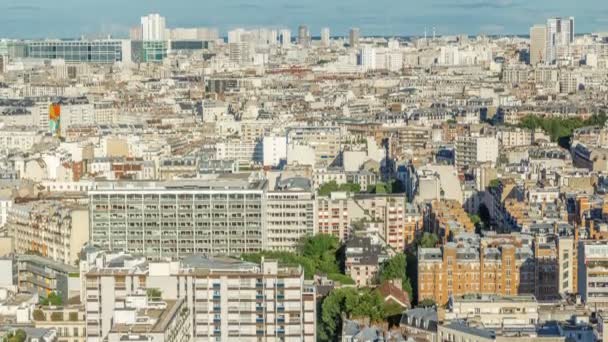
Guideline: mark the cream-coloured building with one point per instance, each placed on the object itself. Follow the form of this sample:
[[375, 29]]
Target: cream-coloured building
[[493, 311], [290, 214], [53, 229]]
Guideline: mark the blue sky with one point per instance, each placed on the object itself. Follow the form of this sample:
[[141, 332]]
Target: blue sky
[[34, 18]]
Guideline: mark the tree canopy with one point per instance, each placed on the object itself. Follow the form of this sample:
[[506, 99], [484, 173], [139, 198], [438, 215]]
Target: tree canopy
[[395, 268], [354, 303], [428, 240], [558, 127], [316, 254], [327, 188], [51, 299], [15, 336]]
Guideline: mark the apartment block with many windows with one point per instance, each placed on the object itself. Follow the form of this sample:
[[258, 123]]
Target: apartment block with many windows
[[224, 216], [227, 299]]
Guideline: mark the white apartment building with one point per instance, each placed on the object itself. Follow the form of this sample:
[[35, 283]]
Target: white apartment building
[[513, 312], [367, 57], [175, 219], [243, 152], [19, 138], [6, 202], [274, 150], [593, 273], [228, 300], [153, 27], [324, 142], [290, 214], [471, 150]]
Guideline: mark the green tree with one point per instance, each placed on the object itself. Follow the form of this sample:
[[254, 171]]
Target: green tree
[[327, 188], [51, 299], [15, 336], [474, 218], [350, 187], [494, 183], [558, 127], [428, 240], [154, 294], [38, 315], [351, 302], [395, 268], [316, 254]]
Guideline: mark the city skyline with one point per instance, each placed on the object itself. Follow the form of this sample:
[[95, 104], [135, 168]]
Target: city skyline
[[493, 17]]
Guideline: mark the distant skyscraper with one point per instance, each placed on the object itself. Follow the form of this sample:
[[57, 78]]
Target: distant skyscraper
[[236, 35], [303, 35], [538, 44], [153, 27], [368, 58], [560, 33], [285, 38], [325, 36], [353, 37]]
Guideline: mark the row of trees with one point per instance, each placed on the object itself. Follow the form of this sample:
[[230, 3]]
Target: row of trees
[[327, 188], [559, 128], [394, 186], [316, 254]]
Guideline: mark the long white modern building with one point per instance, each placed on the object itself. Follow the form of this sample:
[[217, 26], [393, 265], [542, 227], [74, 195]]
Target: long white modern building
[[177, 219]]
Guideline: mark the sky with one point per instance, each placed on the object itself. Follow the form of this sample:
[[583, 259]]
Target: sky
[[75, 18]]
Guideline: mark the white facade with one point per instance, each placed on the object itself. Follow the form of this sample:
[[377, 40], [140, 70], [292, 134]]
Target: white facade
[[560, 33], [153, 27], [368, 58], [5, 205], [325, 36], [285, 38], [290, 216], [18, 138], [275, 150], [593, 273]]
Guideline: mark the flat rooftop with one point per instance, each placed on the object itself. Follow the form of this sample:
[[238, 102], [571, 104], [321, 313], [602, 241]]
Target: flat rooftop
[[238, 181], [158, 322]]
